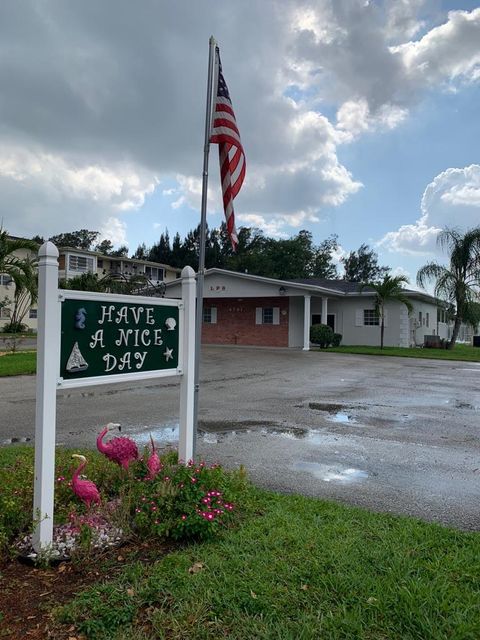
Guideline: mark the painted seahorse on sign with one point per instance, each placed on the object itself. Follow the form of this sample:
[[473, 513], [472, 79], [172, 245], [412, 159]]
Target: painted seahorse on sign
[[80, 318]]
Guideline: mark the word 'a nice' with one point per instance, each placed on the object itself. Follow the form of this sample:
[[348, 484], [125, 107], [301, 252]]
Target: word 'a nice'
[[124, 314], [130, 338], [125, 362]]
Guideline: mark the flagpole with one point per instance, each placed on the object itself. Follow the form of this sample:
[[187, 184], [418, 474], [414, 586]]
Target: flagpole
[[203, 225]]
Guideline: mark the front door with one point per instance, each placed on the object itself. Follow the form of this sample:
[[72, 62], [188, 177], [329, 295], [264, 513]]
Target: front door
[[317, 319]]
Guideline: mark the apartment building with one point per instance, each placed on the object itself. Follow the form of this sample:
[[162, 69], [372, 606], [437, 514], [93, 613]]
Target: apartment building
[[74, 262]]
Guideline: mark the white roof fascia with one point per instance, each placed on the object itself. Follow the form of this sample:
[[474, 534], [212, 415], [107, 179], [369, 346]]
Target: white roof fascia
[[284, 283]]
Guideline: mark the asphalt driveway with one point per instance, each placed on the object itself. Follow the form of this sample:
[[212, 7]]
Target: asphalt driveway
[[390, 434]]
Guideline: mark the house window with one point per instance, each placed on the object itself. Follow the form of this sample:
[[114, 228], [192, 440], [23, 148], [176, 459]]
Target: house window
[[154, 273], [32, 314], [100, 263], [420, 318], [82, 264], [4, 312], [441, 315], [5, 280], [427, 319], [267, 315], [370, 318], [210, 315]]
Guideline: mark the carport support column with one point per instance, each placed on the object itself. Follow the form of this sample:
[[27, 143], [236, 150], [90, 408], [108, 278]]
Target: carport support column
[[324, 310], [306, 323]]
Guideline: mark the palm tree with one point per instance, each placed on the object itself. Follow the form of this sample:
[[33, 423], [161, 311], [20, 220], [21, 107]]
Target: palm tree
[[22, 271], [387, 290], [458, 283], [11, 264]]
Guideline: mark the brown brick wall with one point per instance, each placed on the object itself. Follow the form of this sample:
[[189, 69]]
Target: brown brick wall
[[236, 323]]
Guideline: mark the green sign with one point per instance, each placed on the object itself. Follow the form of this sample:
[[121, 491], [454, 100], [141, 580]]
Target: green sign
[[102, 338]]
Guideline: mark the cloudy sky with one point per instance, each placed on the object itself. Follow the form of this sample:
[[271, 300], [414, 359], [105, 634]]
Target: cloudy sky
[[358, 117]]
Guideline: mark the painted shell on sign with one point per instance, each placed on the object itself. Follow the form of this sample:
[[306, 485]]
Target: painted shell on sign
[[170, 323]]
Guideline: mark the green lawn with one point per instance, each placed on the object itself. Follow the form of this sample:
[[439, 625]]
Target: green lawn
[[18, 364], [460, 352], [299, 568], [289, 568]]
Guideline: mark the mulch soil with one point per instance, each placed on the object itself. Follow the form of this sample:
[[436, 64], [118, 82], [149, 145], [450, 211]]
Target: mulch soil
[[29, 594]]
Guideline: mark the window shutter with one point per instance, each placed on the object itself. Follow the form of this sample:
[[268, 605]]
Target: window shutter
[[276, 315], [359, 318], [258, 315], [213, 315], [385, 318]]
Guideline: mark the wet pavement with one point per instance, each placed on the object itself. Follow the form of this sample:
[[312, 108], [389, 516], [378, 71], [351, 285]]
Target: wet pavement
[[389, 434]]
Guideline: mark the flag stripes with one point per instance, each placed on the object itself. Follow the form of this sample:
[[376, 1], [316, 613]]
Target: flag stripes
[[232, 157]]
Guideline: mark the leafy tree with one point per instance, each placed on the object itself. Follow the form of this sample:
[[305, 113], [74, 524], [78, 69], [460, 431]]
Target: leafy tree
[[141, 253], [459, 282], [323, 265], [389, 289], [161, 252], [108, 283], [121, 252], [105, 247], [471, 315], [362, 266], [82, 239]]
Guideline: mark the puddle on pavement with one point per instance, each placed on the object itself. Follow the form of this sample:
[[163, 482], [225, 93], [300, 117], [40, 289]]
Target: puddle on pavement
[[17, 440], [337, 412], [325, 406], [332, 473], [342, 418], [161, 434], [459, 404]]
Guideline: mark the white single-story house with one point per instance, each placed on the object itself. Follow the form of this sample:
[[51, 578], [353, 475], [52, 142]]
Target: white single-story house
[[244, 309]]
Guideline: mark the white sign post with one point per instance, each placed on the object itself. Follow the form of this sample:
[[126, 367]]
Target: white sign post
[[48, 357], [50, 299]]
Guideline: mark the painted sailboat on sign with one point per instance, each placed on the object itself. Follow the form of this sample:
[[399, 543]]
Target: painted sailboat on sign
[[76, 362]]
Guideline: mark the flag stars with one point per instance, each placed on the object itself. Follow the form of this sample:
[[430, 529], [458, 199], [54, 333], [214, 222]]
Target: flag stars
[[168, 353]]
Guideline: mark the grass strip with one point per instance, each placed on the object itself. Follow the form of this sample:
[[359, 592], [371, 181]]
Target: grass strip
[[18, 364], [460, 352], [302, 569]]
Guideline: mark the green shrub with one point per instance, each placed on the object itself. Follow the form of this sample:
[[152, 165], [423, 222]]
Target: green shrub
[[337, 338], [184, 502], [321, 334]]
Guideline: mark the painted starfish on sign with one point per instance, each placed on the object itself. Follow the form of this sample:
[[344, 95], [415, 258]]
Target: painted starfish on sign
[[168, 353]]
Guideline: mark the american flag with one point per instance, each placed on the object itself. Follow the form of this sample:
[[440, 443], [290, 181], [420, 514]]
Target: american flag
[[232, 157]]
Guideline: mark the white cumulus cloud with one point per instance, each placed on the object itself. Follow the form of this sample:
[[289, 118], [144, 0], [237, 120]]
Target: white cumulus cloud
[[452, 199]]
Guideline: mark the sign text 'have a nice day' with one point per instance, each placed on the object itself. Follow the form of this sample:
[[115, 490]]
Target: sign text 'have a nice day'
[[125, 337]]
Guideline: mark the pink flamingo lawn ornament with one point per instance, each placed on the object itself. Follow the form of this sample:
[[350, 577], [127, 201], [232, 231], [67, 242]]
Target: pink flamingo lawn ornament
[[86, 490], [153, 463], [119, 450]]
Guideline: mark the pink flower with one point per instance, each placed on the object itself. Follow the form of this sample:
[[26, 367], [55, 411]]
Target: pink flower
[[184, 517], [193, 480]]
